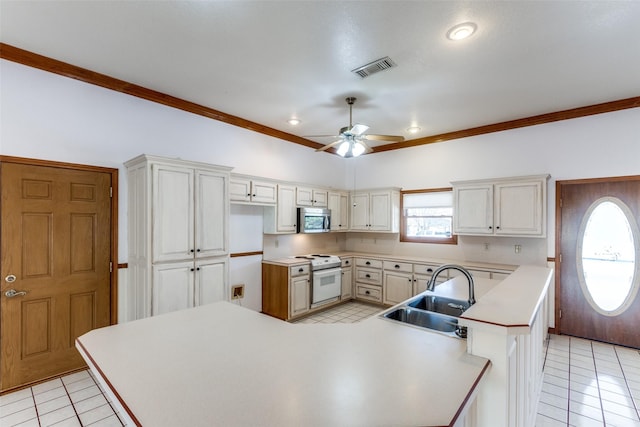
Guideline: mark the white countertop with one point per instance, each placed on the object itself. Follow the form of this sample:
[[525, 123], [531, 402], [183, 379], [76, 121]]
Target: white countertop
[[221, 364], [507, 268]]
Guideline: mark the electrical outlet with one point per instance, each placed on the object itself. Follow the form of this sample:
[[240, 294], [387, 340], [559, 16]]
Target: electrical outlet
[[237, 291]]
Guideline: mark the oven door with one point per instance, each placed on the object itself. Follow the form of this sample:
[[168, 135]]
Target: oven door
[[326, 285]]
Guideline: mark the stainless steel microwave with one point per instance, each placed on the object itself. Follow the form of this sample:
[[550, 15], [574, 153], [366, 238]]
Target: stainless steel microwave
[[314, 220]]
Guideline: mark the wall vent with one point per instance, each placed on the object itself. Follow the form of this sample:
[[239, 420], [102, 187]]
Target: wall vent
[[374, 67]]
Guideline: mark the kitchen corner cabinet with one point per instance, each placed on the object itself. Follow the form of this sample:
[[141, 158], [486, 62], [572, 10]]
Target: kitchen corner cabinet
[[375, 210], [178, 229], [286, 290], [247, 190], [504, 207], [282, 218], [338, 203]]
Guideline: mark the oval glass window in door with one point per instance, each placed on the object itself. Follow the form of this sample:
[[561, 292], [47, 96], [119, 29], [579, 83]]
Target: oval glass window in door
[[607, 256]]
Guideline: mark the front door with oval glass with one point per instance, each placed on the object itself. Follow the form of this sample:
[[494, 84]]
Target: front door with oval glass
[[599, 275]]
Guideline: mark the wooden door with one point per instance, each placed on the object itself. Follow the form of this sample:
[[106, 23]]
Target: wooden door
[[577, 313], [56, 248]]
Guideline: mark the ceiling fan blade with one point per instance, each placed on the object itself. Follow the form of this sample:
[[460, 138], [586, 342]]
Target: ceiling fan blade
[[332, 144], [358, 129], [390, 138], [367, 149]]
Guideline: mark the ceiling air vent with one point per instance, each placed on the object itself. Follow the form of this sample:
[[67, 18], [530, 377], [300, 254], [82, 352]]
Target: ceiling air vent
[[374, 67]]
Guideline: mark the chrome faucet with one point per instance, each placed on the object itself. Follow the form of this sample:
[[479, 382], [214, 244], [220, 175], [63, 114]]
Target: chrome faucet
[[432, 282]]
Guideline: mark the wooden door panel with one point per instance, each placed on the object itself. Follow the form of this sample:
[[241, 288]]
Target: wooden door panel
[[36, 327], [579, 318], [56, 240]]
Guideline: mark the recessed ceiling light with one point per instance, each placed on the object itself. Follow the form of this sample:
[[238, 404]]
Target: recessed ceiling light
[[414, 129], [294, 122], [461, 31]]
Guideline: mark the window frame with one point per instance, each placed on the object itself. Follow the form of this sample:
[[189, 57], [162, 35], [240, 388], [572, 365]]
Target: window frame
[[453, 240]]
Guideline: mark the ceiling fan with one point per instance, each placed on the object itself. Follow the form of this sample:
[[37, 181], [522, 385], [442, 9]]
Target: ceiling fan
[[351, 139]]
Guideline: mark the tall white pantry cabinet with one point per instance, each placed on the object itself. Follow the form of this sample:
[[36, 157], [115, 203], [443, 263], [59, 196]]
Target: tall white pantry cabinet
[[178, 214]]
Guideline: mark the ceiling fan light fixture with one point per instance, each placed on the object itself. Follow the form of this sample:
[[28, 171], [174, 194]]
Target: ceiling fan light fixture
[[414, 129], [461, 31], [350, 149], [293, 121]]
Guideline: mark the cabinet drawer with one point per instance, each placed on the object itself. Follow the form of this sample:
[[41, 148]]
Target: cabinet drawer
[[427, 269], [346, 262], [367, 262], [368, 275], [371, 293], [398, 266], [299, 270]]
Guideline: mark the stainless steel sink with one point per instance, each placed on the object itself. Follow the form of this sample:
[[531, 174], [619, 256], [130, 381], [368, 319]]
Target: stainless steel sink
[[438, 304], [427, 319]]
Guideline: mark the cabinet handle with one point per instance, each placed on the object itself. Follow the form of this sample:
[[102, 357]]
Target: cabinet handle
[[198, 269], [368, 263], [248, 194], [368, 276], [396, 266], [429, 270], [191, 250], [346, 262], [197, 250], [300, 270], [498, 227], [253, 195], [192, 269], [490, 227], [367, 292]]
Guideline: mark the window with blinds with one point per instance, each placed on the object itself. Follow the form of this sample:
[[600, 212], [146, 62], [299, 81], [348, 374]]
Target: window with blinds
[[427, 216]]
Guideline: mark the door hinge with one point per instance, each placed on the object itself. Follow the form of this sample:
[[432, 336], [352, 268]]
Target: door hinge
[[560, 257], [560, 203], [111, 192], [110, 267], [559, 313]]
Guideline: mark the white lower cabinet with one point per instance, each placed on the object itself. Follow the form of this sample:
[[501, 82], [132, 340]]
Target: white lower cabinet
[[177, 286], [368, 279], [398, 282], [347, 279], [300, 294]]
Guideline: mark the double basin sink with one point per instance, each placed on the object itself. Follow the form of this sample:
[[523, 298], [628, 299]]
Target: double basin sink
[[432, 312]]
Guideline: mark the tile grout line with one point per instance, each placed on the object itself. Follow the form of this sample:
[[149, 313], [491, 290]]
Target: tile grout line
[[595, 367], [70, 400], [35, 406], [627, 383]]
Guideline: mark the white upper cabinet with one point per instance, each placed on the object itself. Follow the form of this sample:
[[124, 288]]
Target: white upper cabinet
[[504, 207], [376, 210], [306, 196], [190, 213], [247, 190], [282, 218], [338, 203]]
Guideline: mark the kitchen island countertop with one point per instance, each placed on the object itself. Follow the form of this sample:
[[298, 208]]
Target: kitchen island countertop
[[221, 364]]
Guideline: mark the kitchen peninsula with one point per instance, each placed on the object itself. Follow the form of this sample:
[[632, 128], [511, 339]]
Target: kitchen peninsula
[[220, 364]]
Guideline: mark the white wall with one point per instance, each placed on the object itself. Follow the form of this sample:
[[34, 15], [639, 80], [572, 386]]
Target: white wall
[[46, 116], [589, 147]]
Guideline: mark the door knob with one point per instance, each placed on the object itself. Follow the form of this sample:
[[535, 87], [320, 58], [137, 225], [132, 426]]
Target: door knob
[[13, 293]]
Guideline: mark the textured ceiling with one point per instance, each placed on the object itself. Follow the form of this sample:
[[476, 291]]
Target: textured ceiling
[[268, 61]]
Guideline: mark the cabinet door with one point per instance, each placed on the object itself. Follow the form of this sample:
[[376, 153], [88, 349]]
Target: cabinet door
[[211, 214], [360, 211], [264, 192], [286, 209], [304, 196], [519, 208], [172, 287], [211, 281], [173, 219], [300, 296], [380, 211], [320, 198], [338, 203], [473, 209], [240, 189], [397, 287], [347, 283]]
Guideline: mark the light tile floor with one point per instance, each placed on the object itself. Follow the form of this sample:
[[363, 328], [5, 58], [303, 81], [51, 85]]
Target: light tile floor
[[586, 383], [71, 401]]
